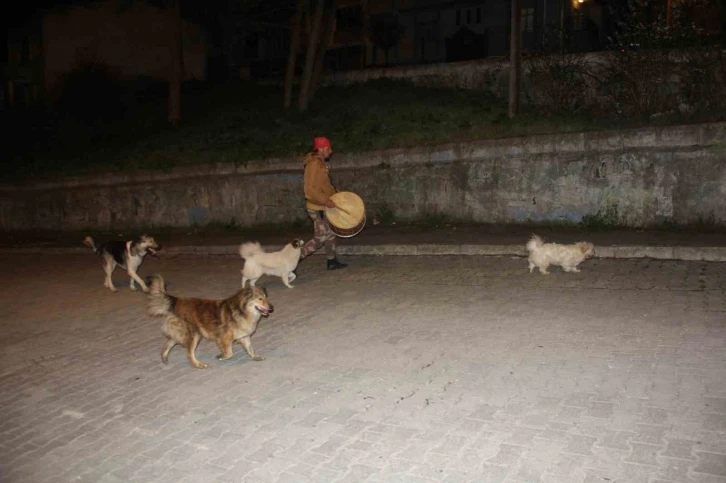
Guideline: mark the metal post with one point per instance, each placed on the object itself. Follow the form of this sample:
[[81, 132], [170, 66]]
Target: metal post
[[515, 59]]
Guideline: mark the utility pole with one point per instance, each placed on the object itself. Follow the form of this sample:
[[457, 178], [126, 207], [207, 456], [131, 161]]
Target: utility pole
[[562, 27], [515, 60]]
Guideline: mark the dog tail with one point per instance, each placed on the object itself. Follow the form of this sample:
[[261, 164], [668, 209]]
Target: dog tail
[[159, 302], [90, 242], [534, 243], [250, 249]]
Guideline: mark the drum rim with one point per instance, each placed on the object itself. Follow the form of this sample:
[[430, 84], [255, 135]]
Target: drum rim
[[362, 225]]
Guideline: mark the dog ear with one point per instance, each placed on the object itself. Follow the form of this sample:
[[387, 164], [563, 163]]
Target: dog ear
[[149, 280], [244, 296], [249, 293]]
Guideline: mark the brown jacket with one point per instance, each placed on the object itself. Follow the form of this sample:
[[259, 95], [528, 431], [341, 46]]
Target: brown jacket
[[317, 182]]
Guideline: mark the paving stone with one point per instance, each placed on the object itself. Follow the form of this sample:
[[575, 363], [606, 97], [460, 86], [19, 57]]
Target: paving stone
[[493, 473], [530, 471], [579, 444], [674, 469], [567, 465], [603, 410], [616, 439], [679, 448], [643, 454], [711, 463], [715, 404], [650, 434], [508, 456]]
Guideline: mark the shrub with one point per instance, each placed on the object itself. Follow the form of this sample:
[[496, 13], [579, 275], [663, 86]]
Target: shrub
[[557, 83], [655, 68]]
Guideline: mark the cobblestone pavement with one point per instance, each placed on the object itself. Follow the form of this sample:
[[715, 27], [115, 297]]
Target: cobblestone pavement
[[405, 369]]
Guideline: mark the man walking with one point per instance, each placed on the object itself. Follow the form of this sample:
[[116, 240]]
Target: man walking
[[318, 190]]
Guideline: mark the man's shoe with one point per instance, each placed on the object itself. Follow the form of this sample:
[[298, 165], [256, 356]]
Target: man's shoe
[[334, 264]]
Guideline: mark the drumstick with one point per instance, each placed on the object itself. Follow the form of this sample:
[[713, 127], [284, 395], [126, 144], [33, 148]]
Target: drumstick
[[343, 210]]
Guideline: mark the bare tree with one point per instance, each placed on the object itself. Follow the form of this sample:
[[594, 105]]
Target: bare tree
[[292, 55], [176, 57], [320, 56], [313, 41]]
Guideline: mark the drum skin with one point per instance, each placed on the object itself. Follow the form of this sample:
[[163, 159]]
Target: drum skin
[[348, 218]]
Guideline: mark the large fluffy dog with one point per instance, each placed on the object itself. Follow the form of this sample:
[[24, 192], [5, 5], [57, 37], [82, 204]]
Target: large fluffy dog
[[259, 262], [542, 255], [129, 254], [223, 321]]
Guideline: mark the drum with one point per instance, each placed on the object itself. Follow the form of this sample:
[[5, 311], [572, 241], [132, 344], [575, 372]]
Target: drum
[[348, 218]]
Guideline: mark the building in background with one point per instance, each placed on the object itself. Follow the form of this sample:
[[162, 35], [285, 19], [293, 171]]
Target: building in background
[[431, 31], [131, 43]]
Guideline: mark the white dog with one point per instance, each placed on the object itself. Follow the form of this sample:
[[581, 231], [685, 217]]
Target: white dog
[[542, 255], [259, 262]]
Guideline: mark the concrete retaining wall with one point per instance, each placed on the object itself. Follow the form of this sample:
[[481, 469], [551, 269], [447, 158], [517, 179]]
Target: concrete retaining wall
[[636, 177]]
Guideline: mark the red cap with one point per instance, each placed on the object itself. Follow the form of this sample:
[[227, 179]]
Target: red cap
[[321, 142]]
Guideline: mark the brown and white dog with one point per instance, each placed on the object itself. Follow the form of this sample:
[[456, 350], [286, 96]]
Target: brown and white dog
[[128, 254], [188, 320]]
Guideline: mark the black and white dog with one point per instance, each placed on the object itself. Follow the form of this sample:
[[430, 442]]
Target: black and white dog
[[127, 254]]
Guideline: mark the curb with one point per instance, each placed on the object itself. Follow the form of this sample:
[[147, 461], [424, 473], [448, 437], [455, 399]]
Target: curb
[[684, 253]]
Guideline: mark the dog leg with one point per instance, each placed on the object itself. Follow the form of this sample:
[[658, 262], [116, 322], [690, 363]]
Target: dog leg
[[543, 269], [165, 350], [531, 267], [225, 345], [247, 344], [190, 353], [109, 268], [286, 280], [291, 276], [244, 279], [135, 276], [252, 282]]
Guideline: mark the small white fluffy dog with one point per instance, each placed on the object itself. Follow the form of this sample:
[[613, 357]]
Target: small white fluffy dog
[[542, 255], [259, 262]]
